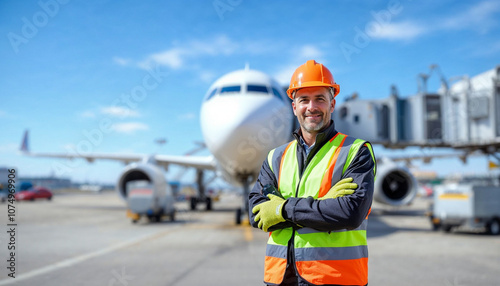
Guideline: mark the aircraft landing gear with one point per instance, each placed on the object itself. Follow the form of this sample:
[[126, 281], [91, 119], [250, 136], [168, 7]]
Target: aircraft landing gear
[[209, 203], [238, 216], [207, 200], [194, 201], [243, 211], [202, 198]]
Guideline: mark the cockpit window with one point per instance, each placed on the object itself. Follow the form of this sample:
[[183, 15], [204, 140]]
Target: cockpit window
[[257, 88], [211, 94], [277, 94], [226, 89]]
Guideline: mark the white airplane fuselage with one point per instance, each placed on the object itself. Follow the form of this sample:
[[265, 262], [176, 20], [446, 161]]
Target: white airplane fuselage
[[244, 115]]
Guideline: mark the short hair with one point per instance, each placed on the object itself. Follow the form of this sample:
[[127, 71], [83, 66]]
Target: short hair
[[332, 93]]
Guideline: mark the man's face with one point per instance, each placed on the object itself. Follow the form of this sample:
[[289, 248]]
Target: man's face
[[313, 107]]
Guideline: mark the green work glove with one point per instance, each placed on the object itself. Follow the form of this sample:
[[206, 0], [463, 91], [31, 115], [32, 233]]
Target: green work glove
[[340, 189], [269, 212]]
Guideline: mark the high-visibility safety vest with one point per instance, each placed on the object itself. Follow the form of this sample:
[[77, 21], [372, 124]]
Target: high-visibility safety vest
[[336, 257]]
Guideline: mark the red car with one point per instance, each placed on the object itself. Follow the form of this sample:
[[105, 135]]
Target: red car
[[34, 193]]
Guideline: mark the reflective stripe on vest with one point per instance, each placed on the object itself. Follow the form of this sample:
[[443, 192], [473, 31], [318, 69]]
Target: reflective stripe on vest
[[337, 257], [276, 255]]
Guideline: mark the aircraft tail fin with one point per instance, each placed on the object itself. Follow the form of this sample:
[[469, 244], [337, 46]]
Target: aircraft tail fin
[[24, 143]]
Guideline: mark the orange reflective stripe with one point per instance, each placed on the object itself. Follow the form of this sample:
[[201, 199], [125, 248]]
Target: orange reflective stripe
[[338, 272], [274, 270], [338, 133], [326, 182], [282, 160], [369, 211]]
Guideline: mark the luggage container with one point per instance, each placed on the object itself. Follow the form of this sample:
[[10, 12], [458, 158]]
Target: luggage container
[[144, 199], [472, 206]]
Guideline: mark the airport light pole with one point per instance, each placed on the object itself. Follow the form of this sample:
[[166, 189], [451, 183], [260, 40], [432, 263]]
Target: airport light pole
[[422, 84]]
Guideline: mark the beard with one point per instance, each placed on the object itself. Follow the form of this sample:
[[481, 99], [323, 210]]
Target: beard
[[313, 126]]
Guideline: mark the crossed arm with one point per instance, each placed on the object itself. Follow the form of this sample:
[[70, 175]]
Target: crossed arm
[[346, 212]]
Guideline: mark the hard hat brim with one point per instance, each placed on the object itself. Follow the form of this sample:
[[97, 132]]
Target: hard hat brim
[[313, 84]]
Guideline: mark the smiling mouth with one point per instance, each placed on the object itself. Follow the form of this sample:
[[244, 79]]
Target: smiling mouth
[[314, 116]]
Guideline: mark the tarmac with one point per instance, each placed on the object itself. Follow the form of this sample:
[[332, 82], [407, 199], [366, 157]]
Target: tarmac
[[86, 239]]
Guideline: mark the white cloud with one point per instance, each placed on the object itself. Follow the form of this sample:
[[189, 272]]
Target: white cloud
[[299, 55], [116, 111], [284, 74], [122, 61], [480, 17], [207, 76], [398, 31], [69, 146], [172, 58], [187, 116], [182, 56], [112, 111], [310, 52], [88, 114], [176, 57], [9, 148], [129, 127], [220, 45]]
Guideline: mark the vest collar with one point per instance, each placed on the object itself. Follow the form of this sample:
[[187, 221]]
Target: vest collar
[[321, 138]]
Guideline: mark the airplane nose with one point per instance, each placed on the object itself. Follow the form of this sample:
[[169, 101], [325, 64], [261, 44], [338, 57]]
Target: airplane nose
[[240, 130]]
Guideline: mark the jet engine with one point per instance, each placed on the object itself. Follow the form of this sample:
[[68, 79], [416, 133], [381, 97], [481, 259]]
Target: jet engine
[[395, 185], [141, 172]]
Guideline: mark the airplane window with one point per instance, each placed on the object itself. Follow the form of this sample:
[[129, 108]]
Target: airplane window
[[277, 94], [212, 93], [257, 88], [235, 88]]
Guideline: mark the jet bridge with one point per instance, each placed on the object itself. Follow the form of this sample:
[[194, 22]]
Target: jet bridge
[[465, 115]]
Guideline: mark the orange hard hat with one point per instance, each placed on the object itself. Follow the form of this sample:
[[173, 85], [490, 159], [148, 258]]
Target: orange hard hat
[[312, 74]]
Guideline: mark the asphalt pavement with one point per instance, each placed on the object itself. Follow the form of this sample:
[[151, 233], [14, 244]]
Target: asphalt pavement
[[86, 239]]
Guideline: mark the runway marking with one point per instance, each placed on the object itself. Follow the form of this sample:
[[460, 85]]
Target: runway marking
[[81, 258], [248, 233], [248, 230]]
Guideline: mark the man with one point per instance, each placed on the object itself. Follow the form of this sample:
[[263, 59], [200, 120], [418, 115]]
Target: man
[[321, 188]]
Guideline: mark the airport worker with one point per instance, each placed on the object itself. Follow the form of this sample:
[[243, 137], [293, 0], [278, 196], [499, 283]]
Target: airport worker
[[314, 194]]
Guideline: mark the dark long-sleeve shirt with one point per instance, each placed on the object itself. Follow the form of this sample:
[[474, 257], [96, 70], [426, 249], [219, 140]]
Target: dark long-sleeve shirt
[[346, 212]]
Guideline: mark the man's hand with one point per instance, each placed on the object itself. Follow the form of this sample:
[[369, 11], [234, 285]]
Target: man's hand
[[340, 189], [269, 212]]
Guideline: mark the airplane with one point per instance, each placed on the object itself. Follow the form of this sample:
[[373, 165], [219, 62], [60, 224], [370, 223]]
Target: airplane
[[244, 114]]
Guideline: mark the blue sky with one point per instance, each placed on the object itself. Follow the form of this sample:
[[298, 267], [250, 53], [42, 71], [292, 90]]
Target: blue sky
[[141, 68]]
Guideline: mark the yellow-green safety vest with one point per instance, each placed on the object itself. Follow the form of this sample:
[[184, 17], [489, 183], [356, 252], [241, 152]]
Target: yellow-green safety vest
[[337, 257]]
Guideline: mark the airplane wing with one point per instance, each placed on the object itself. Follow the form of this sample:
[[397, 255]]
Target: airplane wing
[[198, 162], [427, 158], [90, 157]]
